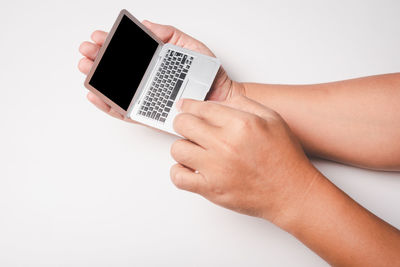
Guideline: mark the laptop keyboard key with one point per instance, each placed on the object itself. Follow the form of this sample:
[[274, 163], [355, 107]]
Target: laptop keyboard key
[[165, 86], [176, 89]]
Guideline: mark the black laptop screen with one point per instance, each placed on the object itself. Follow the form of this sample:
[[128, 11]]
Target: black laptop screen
[[124, 63]]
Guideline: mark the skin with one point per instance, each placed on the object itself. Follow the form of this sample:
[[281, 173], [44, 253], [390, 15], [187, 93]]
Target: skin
[[248, 156], [355, 122]]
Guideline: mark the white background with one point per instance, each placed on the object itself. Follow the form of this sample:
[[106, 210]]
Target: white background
[[79, 188]]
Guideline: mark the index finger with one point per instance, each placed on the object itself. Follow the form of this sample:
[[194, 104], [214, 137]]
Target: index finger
[[214, 113]]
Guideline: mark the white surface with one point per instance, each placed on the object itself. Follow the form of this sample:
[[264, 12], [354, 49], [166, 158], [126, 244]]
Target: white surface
[[78, 188]]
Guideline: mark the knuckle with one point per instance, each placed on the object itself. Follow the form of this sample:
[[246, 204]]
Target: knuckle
[[245, 127], [243, 123], [274, 119], [249, 122]]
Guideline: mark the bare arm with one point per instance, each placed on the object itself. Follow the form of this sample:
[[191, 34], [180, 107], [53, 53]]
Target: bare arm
[[341, 231], [354, 121], [249, 161]]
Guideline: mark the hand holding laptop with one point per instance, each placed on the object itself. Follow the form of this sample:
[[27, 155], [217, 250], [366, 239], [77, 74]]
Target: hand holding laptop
[[222, 88], [242, 155]]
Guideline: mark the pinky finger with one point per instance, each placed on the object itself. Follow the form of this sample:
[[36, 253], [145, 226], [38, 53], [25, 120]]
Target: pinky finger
[[187, 179], [115, 114], [100, 104]]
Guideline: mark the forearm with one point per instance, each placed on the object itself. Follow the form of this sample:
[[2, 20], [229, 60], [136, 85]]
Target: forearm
[[355, 121], [341, 231]]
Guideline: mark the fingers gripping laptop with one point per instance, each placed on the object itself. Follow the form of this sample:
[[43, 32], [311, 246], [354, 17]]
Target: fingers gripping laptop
[[142, 78]]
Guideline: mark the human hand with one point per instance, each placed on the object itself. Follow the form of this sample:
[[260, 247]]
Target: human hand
[[242, 156], [222, 88]]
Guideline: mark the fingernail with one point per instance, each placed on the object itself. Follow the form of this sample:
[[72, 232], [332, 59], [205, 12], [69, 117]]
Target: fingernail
[[179, 105]]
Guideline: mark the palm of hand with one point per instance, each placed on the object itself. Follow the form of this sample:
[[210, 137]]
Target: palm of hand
[[221, 89]]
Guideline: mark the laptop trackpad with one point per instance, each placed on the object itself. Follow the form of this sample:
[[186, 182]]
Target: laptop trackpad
[[195, 90]]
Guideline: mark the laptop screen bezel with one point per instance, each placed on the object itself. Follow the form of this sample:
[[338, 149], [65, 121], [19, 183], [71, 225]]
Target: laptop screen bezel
[[101, 52]]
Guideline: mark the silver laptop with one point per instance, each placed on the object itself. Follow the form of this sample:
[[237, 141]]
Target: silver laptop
[[142, 78]]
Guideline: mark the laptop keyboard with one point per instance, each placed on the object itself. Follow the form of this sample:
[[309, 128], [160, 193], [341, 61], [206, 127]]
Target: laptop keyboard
[[165, 86]]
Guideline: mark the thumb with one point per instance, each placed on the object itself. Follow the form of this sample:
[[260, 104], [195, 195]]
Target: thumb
[[170, 34], [164, 32]]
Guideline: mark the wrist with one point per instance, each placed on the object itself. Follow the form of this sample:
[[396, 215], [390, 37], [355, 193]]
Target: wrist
[[235, 89], [296, 198]]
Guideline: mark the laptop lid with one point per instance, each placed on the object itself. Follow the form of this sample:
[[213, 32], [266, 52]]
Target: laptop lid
[[123, 62]]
